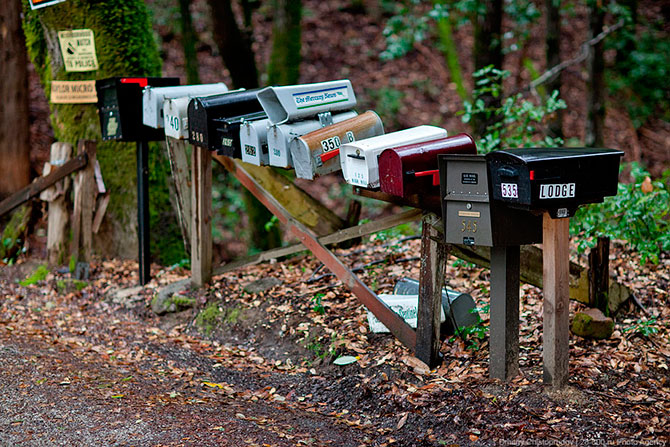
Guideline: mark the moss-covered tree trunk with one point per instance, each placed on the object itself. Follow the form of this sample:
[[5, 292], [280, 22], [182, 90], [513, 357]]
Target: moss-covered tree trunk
[[125, 47]]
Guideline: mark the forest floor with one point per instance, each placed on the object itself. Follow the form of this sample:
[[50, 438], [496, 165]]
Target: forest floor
[[91, 364]]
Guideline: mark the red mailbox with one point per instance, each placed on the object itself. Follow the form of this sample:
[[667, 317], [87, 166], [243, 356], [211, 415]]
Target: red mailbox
[[408, 170]]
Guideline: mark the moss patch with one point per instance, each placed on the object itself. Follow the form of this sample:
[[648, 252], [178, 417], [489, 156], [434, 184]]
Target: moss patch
[[38, 275]]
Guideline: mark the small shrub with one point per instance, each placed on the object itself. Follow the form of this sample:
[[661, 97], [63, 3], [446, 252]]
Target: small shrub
[[39, 275]]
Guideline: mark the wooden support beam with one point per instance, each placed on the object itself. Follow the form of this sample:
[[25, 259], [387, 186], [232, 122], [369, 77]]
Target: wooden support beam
[[555, 242], [201, 225], [398, 327], [434, 254], [333, 238], [504, 339], [181, 181], [300, 205], [41, 183]]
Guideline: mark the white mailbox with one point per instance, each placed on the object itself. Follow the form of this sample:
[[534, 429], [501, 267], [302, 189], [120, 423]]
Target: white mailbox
[[280, 137], [254, 142], [154, 97], [318, 152], [359, 159], [295, 102]]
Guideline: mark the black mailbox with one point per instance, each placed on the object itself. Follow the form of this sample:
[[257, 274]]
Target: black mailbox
[[470, 217], [120, 108], [556, 180], [227, 140], [205, 112]]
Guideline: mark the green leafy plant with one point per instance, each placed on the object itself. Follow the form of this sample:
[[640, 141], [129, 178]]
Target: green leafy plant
[[317, 304], [474, 334], [637, 217], [644, 327], [518, 122]]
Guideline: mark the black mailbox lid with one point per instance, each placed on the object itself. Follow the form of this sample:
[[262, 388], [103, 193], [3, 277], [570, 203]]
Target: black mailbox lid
[[203, 111], [553, 178], [120, 107]]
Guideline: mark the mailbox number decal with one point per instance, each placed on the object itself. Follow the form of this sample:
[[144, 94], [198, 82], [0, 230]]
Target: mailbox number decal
[[250, 150], [557, 191], [509, 190], [469, 226], [173, 121], [331, 143]]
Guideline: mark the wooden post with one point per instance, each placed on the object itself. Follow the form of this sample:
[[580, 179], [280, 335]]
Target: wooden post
[[58, 212], [201, 225], [85, 191], [599, 275], [504, 339], [434, 253], [178, 158], [556, 300]]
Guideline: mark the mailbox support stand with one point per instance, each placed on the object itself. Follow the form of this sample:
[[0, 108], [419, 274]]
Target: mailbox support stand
[[504, 356], [201, 215], [434, 254], [555, 239], [143, 210]]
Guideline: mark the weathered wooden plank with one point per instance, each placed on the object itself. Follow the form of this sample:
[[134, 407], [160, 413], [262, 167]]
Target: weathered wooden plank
[[303, 207], [599, 275], [556, 331], [89, 193], [41, 183], [201, 212], [434, 254], [531, 273], [178, 157], [333, 238], [59, 215]]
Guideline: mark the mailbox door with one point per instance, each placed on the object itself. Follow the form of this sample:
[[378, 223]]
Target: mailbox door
[[254, 142], [176, 118], [409, 170], [465, 206], [227, 138]]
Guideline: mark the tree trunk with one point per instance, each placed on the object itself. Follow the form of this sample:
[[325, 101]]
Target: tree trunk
[[553, 55], [284, 67], [14, 125], [234, 45], [125, 47], [488, 51], [188, 43], [595, 103]]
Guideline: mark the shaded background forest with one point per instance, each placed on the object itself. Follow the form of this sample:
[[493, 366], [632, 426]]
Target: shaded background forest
[[413, 61]]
